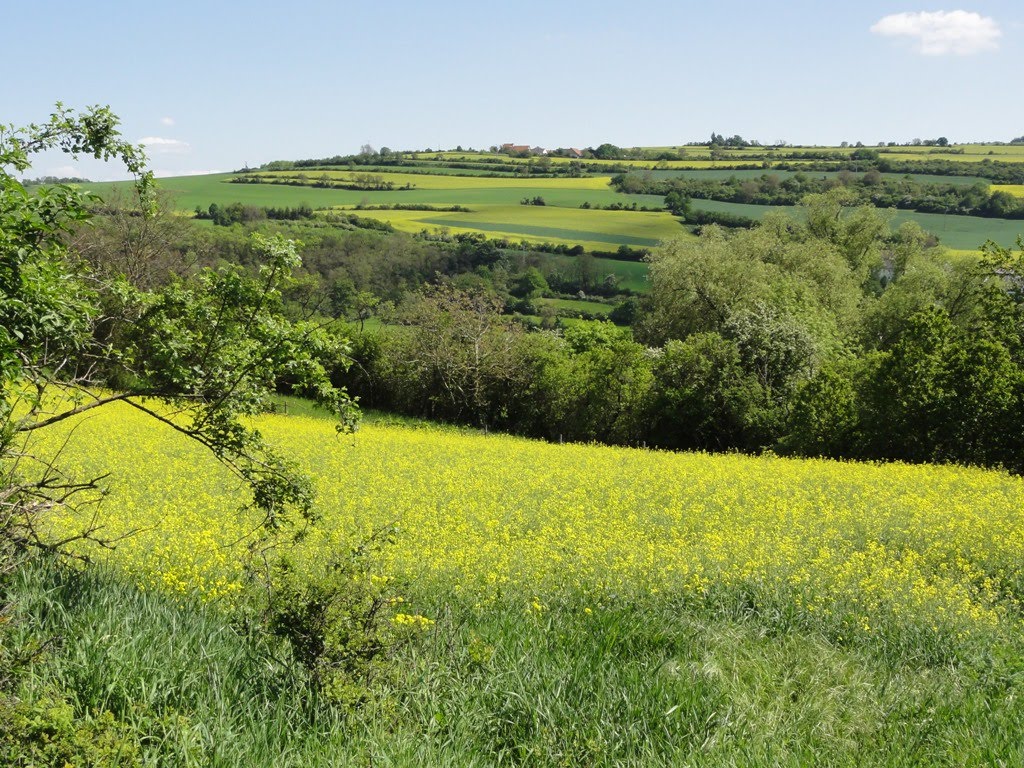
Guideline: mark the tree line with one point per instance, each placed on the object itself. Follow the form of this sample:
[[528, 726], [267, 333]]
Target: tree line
[[870, 188], [833, 336], [238, 213]]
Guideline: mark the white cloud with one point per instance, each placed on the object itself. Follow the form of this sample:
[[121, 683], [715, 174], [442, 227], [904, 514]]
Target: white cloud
[[942, 32], [160, 146], [66, 172], [167, 120]]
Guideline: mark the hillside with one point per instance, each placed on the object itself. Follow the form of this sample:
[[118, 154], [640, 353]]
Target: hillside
[[492, 186]]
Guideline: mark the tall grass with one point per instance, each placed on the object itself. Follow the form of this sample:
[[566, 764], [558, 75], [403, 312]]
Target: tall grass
[[621, 684]]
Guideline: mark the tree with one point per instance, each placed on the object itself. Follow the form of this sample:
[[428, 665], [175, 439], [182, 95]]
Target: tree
[[122, 242], [529, 285], [196, 356], [460, 349], [943, 393], [703, 399], [608, 151]]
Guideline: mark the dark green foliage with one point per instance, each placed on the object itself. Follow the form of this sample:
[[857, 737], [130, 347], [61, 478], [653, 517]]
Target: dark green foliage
[[703, 398], [536, 200], [626, 312], [804, 336], [946, 382], [236, 213], [824, 417], [943, 394], [529, 285], [869, 188]]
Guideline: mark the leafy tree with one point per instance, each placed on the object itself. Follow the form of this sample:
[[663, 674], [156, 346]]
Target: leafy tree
[[943, 394], [530, 284], [678, 203], [196, 356], [773, 346], [596, 385], [824, 417], [704, 399], [458, 351], [608, 152]]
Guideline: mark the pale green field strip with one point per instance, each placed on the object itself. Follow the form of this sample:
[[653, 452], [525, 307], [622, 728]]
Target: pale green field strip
[[955, 157], [1007, 153], [966, 153], [431, 169], [698, 158], [449, 182], [593, 229], [632, 275], [964, 232]]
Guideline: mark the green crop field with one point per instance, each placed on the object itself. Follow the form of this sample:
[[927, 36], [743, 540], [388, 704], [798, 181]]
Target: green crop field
[[495, 202], [438, 190], [631, 275], [453, 183], [594, 229]]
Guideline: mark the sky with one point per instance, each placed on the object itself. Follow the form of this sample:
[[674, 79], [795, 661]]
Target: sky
[[214, 86]]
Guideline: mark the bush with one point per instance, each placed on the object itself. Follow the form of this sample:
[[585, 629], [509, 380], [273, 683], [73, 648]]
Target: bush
[[342, 622]]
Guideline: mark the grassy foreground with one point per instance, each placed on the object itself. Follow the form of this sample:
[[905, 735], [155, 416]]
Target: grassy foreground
[[592, 606]]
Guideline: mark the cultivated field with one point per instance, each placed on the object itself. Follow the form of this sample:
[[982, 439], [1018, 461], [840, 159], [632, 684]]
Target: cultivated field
[[620, 606], [593, 229], [890, 554], [494, 199], [1017, 190]]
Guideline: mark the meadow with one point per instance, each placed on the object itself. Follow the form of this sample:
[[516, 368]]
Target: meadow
[[591, 605], [494, 202]]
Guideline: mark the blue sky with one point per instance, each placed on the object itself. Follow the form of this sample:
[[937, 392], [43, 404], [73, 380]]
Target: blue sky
[[213, 86]]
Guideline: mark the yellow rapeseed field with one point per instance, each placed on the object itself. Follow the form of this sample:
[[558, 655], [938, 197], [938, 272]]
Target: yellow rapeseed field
[[847, 549]]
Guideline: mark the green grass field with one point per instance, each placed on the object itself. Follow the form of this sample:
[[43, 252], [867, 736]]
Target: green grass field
[[497, 211], [576, 305], [721, 174]]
